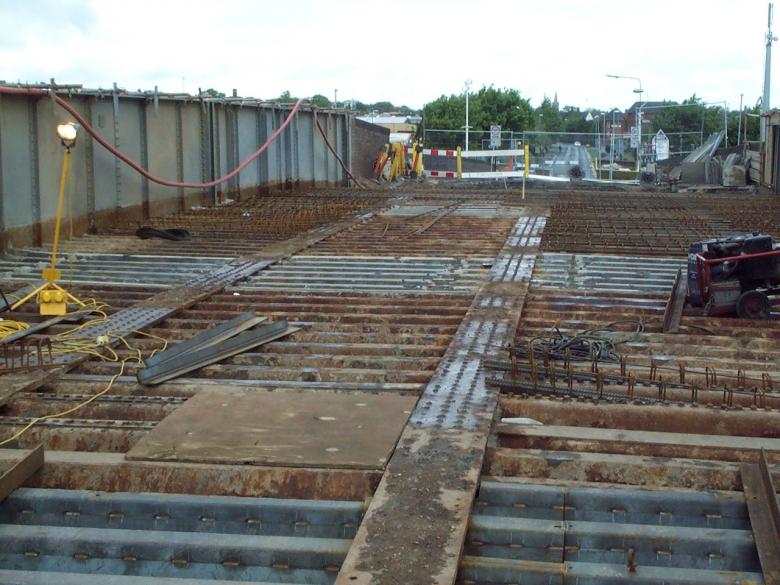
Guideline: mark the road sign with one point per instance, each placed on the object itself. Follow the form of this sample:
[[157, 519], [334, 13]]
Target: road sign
[[634, 137], [495, 136], [661, 145]]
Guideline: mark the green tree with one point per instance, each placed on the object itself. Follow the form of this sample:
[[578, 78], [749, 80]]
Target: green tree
[[487, 107], [693, 115], [575, 121], [211, 92], [285, 97], [320, 101], [547, 118]]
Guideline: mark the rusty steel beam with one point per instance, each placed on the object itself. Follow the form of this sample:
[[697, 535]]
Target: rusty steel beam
[[614, 468], [703, 420], [674, 308], [111, 472], [20, 471], [627, 442], [761, 498]]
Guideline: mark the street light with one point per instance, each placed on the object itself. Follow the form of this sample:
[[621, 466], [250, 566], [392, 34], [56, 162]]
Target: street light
[[467, 87], [638, 115]]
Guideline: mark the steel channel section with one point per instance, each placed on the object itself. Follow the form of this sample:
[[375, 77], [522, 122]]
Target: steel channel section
[[35, 178], [371, 273], [182, 513], [197, 358], [479, 571], [218, 333], [47, 578], [609, 273], [179, 554], [694, 509], [598, 542], [440, 452]]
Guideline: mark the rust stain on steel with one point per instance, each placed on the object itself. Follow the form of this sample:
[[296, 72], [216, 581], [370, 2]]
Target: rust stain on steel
[[662, 417], [414, 529], [626, 442], [611, 468], [111, 472]]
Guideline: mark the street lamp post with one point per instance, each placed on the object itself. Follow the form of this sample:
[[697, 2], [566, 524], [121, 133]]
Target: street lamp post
[[467, 87], [638, 116]]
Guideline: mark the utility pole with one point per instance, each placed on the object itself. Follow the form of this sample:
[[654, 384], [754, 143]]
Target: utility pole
[[467, 85], [335, 99], [767, 73], [739, 124], [637, 116], [612, 147]]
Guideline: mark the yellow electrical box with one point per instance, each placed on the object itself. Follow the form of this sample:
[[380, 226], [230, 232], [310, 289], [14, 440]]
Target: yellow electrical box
[[52, 302]]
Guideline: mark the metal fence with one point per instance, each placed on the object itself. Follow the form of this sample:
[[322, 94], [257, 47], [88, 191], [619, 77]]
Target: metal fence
[[589, 155]]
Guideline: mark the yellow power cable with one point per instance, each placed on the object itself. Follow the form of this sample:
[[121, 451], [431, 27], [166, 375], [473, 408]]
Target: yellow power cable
[[8, 327], [92, 398], [85, 348]]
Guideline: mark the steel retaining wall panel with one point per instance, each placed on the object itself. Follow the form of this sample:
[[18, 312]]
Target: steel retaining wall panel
[[191, 139], [17, 188], [129, 140], [161, 139]]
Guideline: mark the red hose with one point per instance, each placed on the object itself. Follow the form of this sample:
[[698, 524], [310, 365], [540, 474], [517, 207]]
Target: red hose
[[134, 165]]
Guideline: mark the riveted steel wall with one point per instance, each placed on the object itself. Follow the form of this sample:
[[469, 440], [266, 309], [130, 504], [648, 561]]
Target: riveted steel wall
[[180, 138]]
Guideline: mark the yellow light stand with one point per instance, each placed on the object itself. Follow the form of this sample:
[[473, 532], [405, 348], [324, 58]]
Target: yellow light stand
[[52, 298]]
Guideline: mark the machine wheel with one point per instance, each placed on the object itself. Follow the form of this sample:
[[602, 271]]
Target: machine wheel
[[753, 304]]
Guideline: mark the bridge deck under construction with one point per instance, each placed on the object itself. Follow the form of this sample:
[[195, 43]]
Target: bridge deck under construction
[[406, 428]]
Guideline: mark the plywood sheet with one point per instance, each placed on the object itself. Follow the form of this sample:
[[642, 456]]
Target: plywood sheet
[[297, 429]]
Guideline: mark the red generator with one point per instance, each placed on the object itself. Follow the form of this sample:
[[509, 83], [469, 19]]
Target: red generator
[[739, 274]]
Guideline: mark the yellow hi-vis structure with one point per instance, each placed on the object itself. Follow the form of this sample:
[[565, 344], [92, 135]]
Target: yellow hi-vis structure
[[526, 165], [52, 298], [417, 160], [398, 167], [459, 164]]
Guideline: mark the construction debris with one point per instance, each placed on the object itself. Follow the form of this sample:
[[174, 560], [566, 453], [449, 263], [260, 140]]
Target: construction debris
[[210, 349]]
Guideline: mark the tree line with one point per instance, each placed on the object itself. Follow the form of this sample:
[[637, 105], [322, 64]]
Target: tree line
[[508, 109]]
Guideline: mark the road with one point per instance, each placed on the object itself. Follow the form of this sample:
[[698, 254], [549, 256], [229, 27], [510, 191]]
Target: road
[[564, 157]]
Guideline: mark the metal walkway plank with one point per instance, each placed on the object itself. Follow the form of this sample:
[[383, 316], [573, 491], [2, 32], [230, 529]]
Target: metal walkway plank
[[415, 527]]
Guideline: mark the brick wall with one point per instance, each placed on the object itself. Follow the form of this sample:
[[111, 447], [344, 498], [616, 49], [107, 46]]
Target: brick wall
[[367, 141]]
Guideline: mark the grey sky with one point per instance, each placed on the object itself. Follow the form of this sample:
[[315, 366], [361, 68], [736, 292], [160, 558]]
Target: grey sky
[[402, 51]]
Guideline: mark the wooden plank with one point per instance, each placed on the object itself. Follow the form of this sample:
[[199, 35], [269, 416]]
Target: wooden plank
[[20, 472], [297, 429], [762, 506], [676, 304]]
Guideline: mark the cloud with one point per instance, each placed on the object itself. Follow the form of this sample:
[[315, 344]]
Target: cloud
[[407, 52]]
